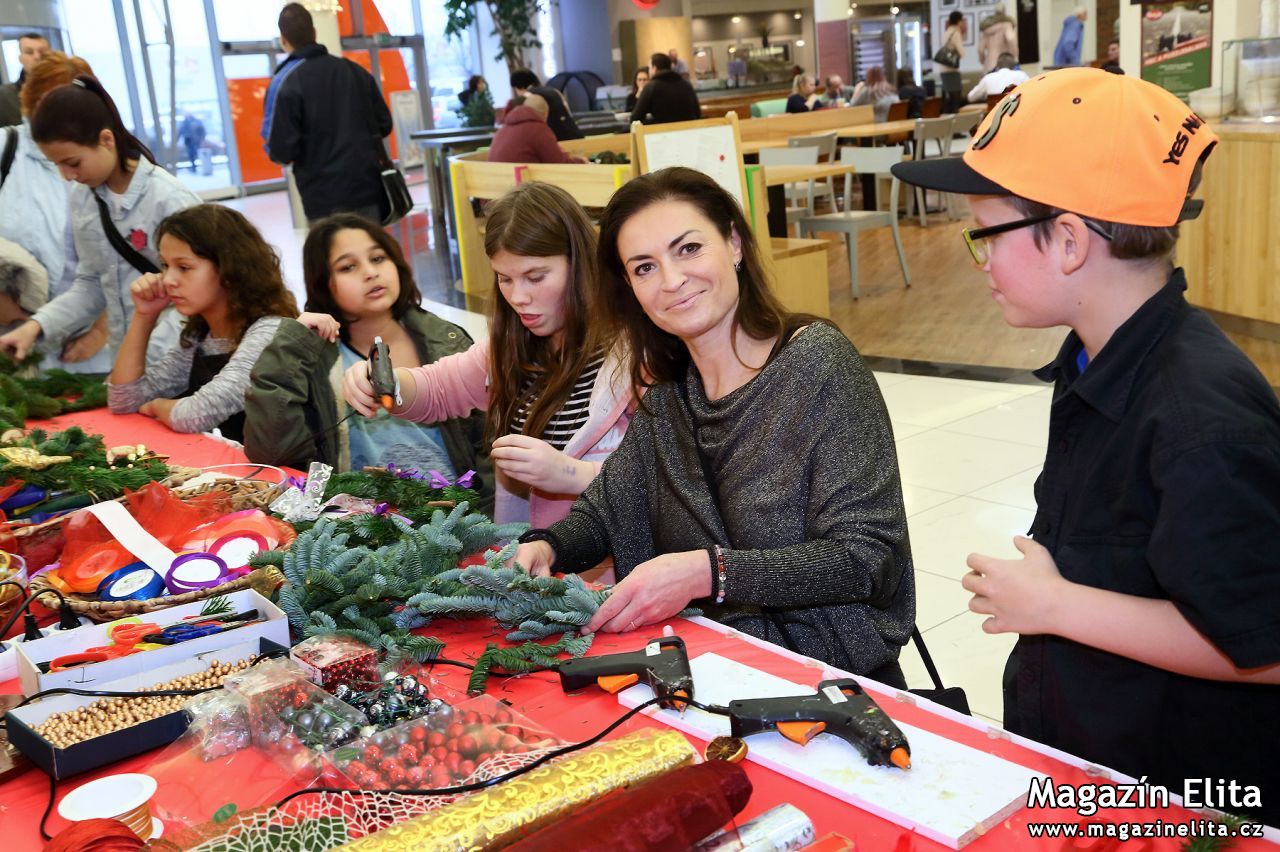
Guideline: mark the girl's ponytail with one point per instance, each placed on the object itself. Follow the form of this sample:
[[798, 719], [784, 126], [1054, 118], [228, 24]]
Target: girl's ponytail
[[78, 113]]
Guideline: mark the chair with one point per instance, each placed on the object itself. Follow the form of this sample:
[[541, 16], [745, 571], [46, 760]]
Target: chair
[[965, 122], [793, 157], [774, 106], [898, 112], [826, 145], [931, 107], [868, 161], [938, 130]]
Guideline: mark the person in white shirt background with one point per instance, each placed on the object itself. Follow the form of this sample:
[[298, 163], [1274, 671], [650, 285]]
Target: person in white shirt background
[[1000, 78]]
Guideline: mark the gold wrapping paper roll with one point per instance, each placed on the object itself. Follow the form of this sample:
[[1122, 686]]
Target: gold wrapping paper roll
[[497, 816]]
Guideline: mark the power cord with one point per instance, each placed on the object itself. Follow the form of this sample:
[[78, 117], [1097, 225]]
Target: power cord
[[529, 767]]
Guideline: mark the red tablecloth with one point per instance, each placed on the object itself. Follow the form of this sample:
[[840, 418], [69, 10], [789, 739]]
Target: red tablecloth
[[576, 717]]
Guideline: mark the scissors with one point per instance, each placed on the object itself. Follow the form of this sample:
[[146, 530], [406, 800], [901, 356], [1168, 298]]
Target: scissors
[[175, 633], [92, 655]]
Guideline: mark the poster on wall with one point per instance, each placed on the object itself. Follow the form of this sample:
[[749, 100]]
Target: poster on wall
[[1177, 45]]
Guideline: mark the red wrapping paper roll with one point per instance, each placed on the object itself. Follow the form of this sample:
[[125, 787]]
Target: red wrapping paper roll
[[673, 811], [95, 835]]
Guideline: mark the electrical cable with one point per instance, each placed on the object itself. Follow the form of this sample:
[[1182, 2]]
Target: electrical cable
[[48, 809], [529, 767]]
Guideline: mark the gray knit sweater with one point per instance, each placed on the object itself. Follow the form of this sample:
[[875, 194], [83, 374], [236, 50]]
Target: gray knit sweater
[[811, 514]]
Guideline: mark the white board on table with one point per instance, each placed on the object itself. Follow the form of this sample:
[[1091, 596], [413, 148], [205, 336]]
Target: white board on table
[[711, 150], [952, 793]]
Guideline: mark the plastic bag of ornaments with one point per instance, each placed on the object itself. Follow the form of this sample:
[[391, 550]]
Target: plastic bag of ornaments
[[291, 717], [219, 724], [462, 739]]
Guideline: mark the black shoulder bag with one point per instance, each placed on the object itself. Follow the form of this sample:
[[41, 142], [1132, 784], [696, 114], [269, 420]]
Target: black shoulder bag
[[10, 150], [399, 201], [952, 698], [135, 258]]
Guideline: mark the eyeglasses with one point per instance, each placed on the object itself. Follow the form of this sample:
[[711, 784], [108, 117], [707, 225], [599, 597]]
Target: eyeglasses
[[977, 238]]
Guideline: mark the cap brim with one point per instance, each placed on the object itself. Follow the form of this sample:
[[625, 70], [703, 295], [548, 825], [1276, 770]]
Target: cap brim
[[947, 174]]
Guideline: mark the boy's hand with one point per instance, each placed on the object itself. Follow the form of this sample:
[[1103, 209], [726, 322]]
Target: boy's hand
[[1020, 595]]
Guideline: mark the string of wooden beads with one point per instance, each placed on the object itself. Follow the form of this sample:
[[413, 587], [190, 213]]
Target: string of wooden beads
[[113, 714]]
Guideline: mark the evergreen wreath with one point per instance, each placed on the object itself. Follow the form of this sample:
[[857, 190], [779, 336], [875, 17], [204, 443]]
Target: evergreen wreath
[[89, 472]]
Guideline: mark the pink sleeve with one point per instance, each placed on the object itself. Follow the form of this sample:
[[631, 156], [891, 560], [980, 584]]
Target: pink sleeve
[[454, 386]]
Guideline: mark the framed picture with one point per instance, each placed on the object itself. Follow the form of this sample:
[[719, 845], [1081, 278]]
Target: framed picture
[[971, 31], [942, 4]]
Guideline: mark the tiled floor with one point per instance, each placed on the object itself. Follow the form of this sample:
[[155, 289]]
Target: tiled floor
[[969, 453]]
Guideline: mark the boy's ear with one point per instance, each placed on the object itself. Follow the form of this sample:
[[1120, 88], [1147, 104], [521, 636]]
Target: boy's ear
[[1074, 241]]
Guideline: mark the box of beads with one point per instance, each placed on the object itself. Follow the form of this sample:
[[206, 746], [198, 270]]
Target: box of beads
[[333, 661], [68, 734]]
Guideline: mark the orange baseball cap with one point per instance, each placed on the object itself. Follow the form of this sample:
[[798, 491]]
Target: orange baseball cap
[[1098, 144]]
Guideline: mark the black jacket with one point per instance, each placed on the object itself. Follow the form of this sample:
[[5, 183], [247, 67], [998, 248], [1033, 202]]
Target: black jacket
[[667, 97], [559, 119], [293, 416], [319, 120]]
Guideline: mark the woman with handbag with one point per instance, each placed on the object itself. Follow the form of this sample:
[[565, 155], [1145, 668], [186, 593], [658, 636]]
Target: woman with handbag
[[759, 477], [120, 197], [947, 60]]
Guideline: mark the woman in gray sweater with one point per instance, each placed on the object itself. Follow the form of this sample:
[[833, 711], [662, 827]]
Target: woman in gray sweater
[[759, 478]]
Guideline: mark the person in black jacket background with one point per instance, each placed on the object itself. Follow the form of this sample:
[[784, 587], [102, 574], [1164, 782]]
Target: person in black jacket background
[[668, 96], [317, 118], [525, 82]]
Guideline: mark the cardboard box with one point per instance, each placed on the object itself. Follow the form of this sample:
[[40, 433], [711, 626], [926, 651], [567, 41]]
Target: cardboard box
[[117, 745], [31, 654]]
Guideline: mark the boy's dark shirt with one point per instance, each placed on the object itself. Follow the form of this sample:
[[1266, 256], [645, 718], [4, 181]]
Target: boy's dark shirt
[[1161, 480]]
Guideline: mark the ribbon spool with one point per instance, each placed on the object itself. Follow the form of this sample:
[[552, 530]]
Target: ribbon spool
[[136, 581], [124, 798], [236, 548], [191, 572]]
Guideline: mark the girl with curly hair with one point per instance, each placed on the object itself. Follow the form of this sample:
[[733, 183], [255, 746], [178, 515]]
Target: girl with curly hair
[[225, 280]]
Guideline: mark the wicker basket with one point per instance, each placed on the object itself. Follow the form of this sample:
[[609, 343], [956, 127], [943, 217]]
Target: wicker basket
[[241, 494]]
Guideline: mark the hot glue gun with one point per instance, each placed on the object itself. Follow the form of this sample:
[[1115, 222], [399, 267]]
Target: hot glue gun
[[663, 665], [840, 708], [386, 388]]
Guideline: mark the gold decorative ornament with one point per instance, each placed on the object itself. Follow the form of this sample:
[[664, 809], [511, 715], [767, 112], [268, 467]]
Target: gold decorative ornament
[[30, 458]]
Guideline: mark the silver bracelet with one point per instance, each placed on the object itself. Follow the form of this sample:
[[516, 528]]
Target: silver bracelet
[[721, 574]]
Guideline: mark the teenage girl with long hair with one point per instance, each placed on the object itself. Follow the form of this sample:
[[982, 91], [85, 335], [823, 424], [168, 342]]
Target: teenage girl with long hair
[[223, 277], [553, 384], [119, 185]]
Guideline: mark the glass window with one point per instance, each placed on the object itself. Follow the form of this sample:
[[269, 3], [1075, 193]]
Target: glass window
[[9, 52], [396, 14], [450, 62], [91, 28], [241, 20]]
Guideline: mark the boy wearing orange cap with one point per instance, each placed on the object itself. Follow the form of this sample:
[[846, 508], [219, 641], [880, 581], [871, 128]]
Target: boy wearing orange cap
[[1148, 603]]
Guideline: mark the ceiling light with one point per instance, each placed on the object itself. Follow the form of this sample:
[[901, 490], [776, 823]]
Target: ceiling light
[[893, 10], [736, 19], [796, 16], [799, 42], [850, 12]]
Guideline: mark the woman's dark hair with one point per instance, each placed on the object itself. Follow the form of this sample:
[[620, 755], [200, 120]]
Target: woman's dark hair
[[658, 356], [905, 77], [635, 89], [248, 267], [955, 18], [474, 81], [541, 220], [78, 113], [316, 272]]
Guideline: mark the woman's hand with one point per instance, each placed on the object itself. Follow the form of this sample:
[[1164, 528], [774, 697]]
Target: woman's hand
[[85, 346], [160, 409], [539, 465], [149, 295], [654, 591], [536, 557], [18, 343], [1018, 594], [325, 326]]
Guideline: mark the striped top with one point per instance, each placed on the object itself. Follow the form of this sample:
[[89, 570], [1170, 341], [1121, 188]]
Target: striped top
[[571, 417]]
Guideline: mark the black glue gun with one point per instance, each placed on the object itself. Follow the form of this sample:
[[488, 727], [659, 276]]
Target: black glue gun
[[840, 708], [382, 375], [662, 664]]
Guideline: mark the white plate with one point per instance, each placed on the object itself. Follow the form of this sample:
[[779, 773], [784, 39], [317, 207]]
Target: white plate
[[107, 797]]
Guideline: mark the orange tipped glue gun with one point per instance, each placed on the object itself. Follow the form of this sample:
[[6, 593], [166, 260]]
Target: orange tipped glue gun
[[382, 375], [663, 665], [840, 708]]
